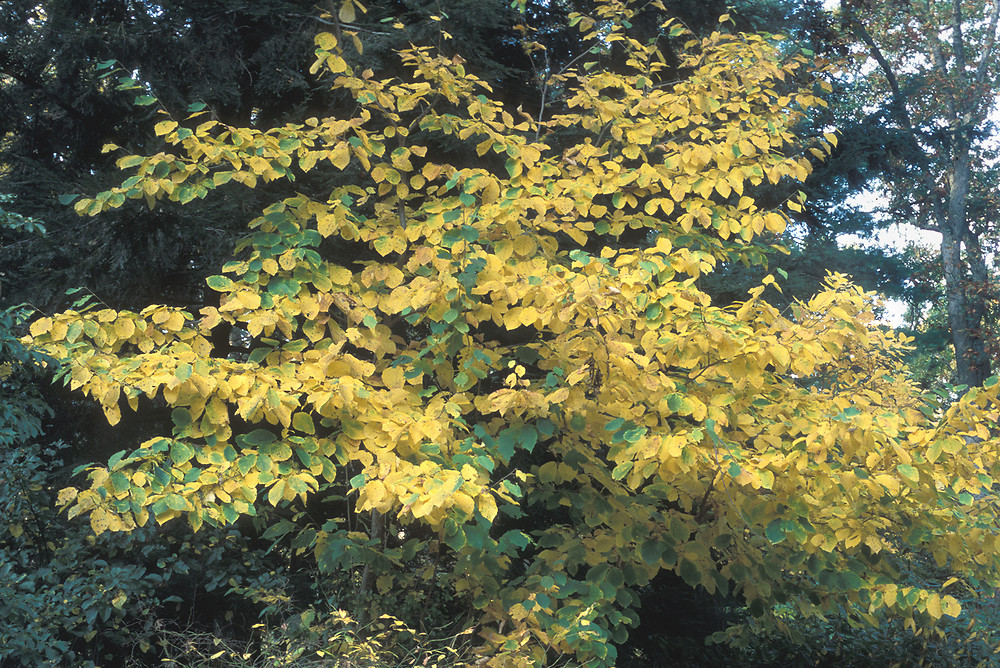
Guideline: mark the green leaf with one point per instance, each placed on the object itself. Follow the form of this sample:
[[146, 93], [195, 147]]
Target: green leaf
[[650, 552], [469, 233], [175, 502], [635, 435], [220, 283], [775, 531], [119, 482], [454, 535], [278, 530], [908, 472], [304, 423], [621, 470], [181, 452], [258, 437], [283, 286], [689, 571], [246, 463]]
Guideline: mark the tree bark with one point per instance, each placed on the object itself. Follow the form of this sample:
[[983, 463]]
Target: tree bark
[[964, 317], [971, 364], [977, 297]]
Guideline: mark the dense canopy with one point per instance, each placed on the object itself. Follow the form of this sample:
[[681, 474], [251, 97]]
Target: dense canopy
[[461, 363]]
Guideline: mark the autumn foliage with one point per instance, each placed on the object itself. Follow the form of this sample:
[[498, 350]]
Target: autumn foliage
[[517, 380]]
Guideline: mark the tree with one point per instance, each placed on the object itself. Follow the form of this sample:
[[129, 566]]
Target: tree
[[937, 66], [473, 401]]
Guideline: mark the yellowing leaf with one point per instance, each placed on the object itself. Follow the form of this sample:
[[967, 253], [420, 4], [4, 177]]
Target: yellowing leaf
[[40, 326], [346, 13], [341, 155], [164, 127], [393, 377], [934, 606], [326, 41], [950, 606], [249, 300], [487, 506]]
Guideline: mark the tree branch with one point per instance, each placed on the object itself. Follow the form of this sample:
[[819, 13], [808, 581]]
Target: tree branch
[[898, 108], [34, 82], [987, 53], [957, 38]]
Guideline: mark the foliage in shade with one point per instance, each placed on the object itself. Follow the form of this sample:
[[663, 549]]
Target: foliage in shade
[[481, 362]]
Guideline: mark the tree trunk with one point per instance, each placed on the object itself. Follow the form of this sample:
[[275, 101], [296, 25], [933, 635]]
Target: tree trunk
[[977, 297], [971, 362], [367, 575]]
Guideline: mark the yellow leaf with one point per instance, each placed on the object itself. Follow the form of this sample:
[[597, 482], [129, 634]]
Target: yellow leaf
[[174, 322], [325, 41], [124, 328], [346, 13], [890, 483], [780, 355], [66, 495], [934, 606], [216, 411], [341, 155], [487, 506], [326, 224], [464, 503], [163, 127], [393, 377], [524, 245], [40, 326], [374, 491], [113, 414], [249, 300], [340, 275], [277, 493], [950, 606]]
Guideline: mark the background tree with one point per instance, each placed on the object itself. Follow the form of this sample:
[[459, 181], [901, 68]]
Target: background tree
[[937, 69]]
